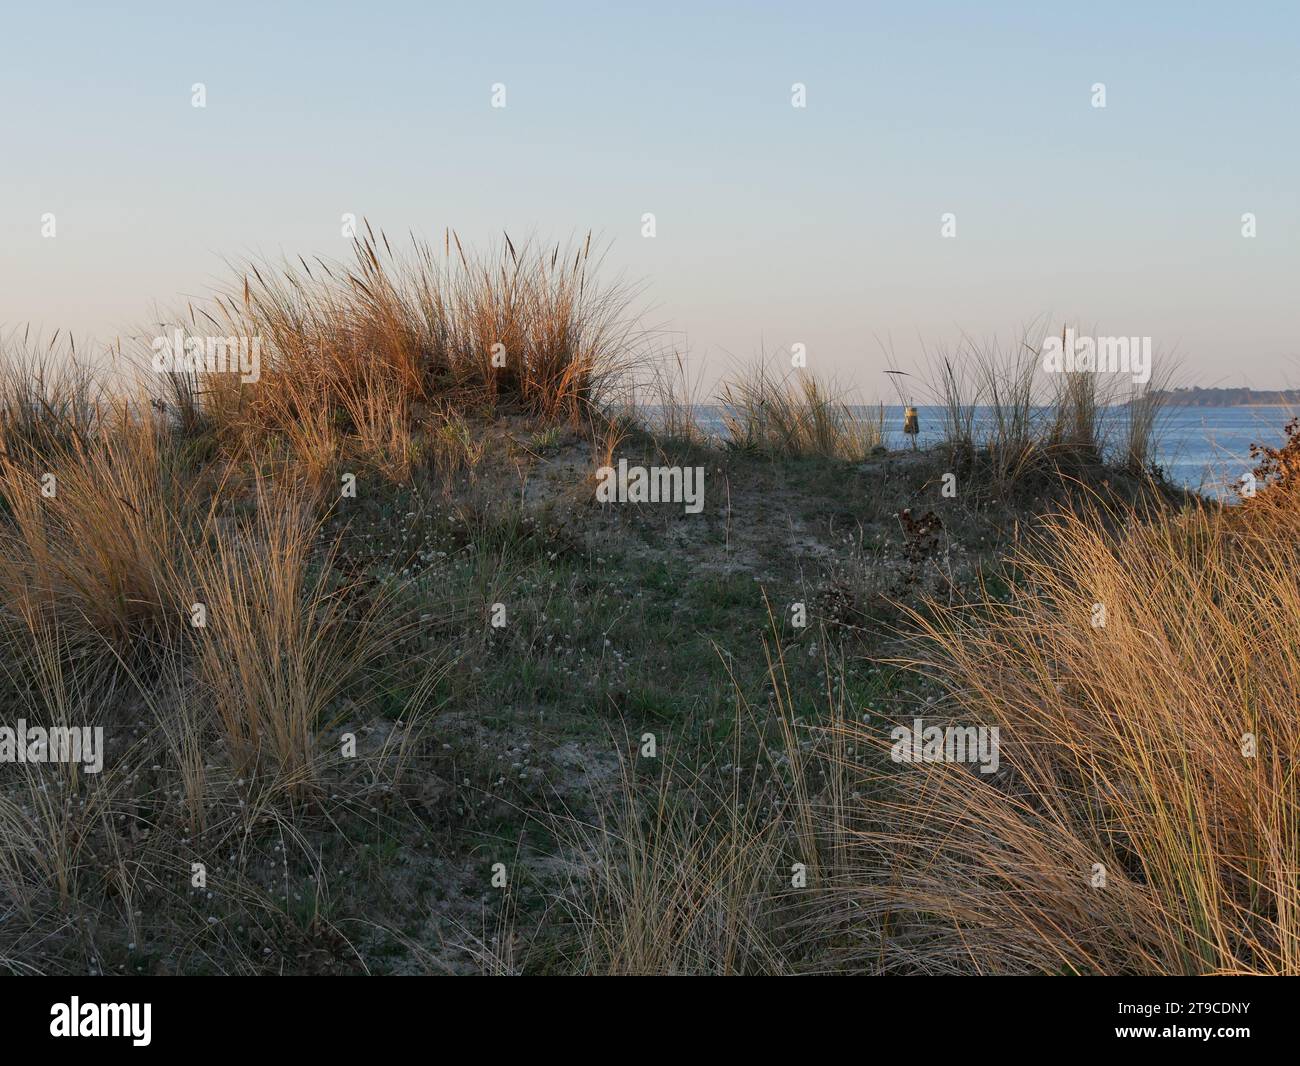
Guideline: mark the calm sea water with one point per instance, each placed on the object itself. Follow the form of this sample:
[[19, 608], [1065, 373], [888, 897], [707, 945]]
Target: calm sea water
[[1201, 448], [1208, 448]]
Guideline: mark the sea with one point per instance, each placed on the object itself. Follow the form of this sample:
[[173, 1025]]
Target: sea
[[1206, 449]]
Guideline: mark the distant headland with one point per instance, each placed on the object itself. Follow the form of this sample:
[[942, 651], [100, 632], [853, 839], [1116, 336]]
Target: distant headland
[[1198, 397]]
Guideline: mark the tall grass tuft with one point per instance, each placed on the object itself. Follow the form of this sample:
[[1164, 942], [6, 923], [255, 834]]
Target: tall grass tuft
[[1144, 677], [675, 400], [996, 404], [796, 414], [49, 397], [359, 356], [93, 529], [282, 638], [1141, 426]]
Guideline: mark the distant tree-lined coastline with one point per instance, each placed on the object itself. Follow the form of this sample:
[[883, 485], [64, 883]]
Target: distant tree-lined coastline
[[1198, 397]]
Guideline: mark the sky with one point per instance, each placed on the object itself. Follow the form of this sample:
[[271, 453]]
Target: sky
[[774, 224]]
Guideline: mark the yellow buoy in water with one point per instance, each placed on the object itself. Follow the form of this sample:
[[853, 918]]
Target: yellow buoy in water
[[911, 424]]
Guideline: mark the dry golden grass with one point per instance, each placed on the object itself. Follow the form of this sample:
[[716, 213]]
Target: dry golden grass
[[48, 397], [284, 636], [368, 358], [795, 414], [1124, 745], [95, 527], [112, 533], [997, 401], [276, 647], [675, 400]]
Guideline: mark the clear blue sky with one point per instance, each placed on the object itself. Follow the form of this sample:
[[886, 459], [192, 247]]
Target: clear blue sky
[[775, 225]]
